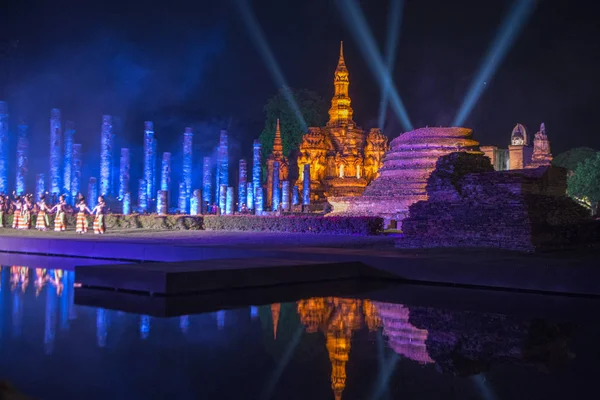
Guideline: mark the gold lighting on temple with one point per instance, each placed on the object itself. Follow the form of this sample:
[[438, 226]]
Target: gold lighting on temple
[[337, 318], [343, 158], [276, 156]]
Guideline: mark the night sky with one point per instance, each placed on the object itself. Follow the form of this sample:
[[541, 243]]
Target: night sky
[[193, 63]]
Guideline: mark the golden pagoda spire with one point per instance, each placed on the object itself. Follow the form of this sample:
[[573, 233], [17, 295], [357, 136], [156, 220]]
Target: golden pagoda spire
[[277, 144], [340, 113], [275, 310]]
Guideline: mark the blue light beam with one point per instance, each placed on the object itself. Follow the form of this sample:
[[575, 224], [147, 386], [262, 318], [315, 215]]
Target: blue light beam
[[362, 34], [263, 47], [509, 30], [394, 19]]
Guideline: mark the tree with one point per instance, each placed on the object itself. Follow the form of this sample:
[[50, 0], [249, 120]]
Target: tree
[[311, 106], [572, 158], [584, 184]]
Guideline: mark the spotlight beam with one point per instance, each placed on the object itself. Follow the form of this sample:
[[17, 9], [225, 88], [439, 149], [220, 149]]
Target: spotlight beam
[[362, 34], [509, 30], [264, 49], [394, 19]]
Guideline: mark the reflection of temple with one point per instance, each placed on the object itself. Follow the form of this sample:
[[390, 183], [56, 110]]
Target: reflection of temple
[[520, 154], [337, 318], [276, 156], [342, 158], [275, 311]]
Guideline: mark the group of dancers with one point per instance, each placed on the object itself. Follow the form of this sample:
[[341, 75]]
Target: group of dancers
[[22, 207]]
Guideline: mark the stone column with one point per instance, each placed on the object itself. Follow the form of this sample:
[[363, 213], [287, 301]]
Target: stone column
[[285, 195], [256, 164], [222, 197], [243, 181], [162, 204], [124, 168], [222, 162], [149, 164], [206, 181], [76, 172], [188, 136], [127, 203], [275, 189], [250, 196], [196, 202], [258, 200], [55, 150], [306, 185], [182, 202], [22, 160], [165, 176], [229, 202], [4, 147], [295, 195], [92, 193], [40, 185], [106, 150], [143, 196], [68, 158]]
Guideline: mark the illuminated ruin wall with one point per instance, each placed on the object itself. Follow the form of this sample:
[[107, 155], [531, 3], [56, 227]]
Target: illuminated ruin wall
[[76, 172], [4, 147], [106, 150], [124, 171], [188, 136], [207, 180], [92, 199], [22, 160], [242, 183], [55, 151], [40, 185], [68, 158], [149, 164]]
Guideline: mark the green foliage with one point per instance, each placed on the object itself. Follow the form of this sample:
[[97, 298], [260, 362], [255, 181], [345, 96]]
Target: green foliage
[[572, 158], [295, 224], [312, 107], [585, 182]]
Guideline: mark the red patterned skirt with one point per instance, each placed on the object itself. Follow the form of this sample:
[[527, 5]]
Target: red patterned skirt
[[59, 222], [82, 224], [99, 227], [40, 222], [17, 219]]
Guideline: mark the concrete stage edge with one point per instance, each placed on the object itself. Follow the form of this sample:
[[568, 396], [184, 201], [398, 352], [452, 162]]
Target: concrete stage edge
[[572, 273]]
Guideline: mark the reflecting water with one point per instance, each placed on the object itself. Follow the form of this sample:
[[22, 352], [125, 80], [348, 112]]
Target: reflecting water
[[316, 348]]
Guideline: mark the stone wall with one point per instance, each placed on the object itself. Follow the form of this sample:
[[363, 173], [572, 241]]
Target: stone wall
[[469, 206]]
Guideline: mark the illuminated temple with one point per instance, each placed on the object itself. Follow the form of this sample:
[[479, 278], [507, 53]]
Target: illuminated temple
[[343, 158]]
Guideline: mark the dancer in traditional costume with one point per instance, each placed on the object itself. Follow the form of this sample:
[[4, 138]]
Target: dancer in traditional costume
[[60, 223], [26, 209], [81, 225], [17, 204], [42, 223], [98, 211]]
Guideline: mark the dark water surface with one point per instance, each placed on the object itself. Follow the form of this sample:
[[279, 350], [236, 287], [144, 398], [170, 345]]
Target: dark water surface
[[317, 348]]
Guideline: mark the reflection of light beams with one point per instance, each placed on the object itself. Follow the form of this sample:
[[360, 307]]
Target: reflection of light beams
[[64, 301], [253, 312], [145, 327], [263, 47], [50, 321], [184, 323], [514, 21], [386, 369], [285, 359], [221, 319], [359, 28], [394, 18], [101, 327], [484, 387]]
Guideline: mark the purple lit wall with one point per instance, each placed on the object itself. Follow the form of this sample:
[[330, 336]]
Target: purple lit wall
[[124, 168], [92, 193], [276, 189], [76, 172], [149, 164], [229, 201], [22, 159], [285, 195], [306, 185], [40, 185], [68, 158], [3, 147], [250, 196], [106, 151], [243, 181], [206, 180], [55, 150], [188, 136]]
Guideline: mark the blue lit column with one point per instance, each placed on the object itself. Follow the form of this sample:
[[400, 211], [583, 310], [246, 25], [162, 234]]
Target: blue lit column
[[223, 161], [162, 202], [243, 180], [124, 168], [127, 204], [165, 177], [188, 136], [285, 195], [40, 185], [149, 159], [276, 189], [250, 196], [92, 193], [229, 202], [259, 200], [222, 198], [256, 164], [207, 180], [295, 195], [68, 158], [195, 202], [182, 198], [142, 196], [306, 185], [4, 147], [55, 151], [22, 159], [76, 172], [106, 150]]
